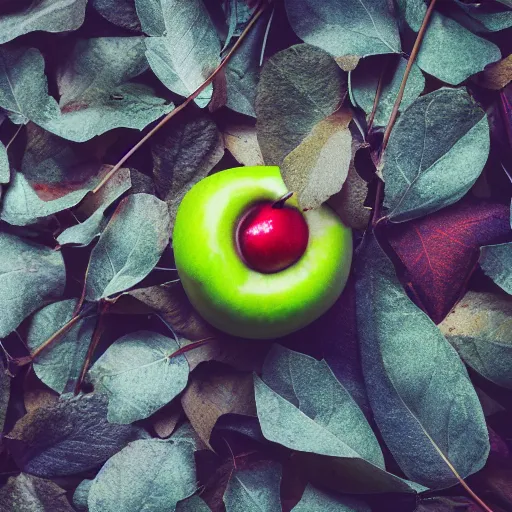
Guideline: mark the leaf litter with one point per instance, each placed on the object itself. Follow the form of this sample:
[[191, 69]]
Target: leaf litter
[[131, 399]]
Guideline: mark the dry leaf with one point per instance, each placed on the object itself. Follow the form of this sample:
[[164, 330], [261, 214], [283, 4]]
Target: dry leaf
[[496, 75], [36, 393], [348, 62], [242, 142], [317, 168], [165, 420], [349, 202], [214, 390]]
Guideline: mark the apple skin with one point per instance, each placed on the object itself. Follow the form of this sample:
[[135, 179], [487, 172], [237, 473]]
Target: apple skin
[[223, 289]]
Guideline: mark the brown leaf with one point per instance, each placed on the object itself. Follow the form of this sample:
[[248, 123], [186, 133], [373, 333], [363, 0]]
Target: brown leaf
[[496, 75], [164, 421], [242, 142], [348, 62], [171, 302], [214, 390], [220, 92], [36, 393], [349, 203]]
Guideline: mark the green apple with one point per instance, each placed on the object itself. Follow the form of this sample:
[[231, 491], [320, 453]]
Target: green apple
[[234, 297]]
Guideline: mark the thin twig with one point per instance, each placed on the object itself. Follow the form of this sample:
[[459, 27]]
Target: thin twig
[[81, 300], [377, 208], [8, 356], [191, 98], [378, 93], [96, 337], [191, 346], [63, 330], [14, 137], [459, 478], [410, 62]]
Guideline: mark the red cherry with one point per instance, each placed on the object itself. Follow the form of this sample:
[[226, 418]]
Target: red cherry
[[271, 237]]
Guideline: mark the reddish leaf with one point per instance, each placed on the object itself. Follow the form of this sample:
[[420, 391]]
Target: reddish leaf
[[440, 251]]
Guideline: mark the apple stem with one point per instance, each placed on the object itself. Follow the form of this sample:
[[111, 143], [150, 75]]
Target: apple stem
[[280, 202]]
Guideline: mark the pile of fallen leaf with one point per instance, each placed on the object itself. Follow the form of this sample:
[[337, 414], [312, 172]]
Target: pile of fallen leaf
[[115, 396]]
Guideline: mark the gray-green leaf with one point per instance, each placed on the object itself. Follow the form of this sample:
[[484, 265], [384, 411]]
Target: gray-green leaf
[[30, 275], [301, 405], [496, 262], [315, 499], [488, 20], [92, 102], [129, 247], [45, 15], [81, 495], [119, 12], [188, 52], [436, 152], [62, 361], [480, 328], [448, 51], [151, 17], [97, 66], [351, 27], [5, 174], [150, 475], [335, 421], [421, 396], [365, 78], [138, 375], [255, 489], [23, 86]]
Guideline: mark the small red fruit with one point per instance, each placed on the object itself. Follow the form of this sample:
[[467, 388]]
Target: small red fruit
[[272, 236]]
